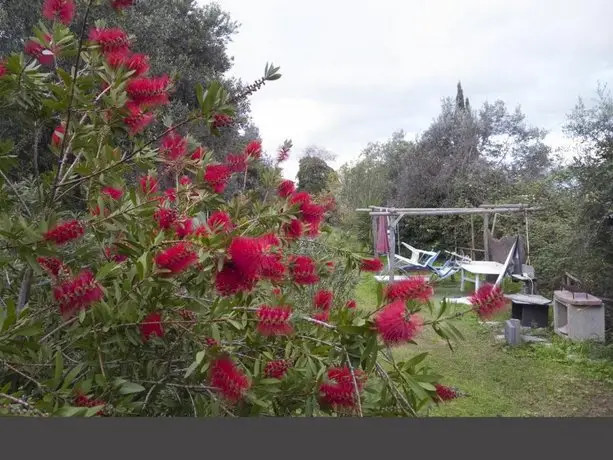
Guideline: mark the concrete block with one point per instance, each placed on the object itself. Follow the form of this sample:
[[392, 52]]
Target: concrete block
[[512, 332]]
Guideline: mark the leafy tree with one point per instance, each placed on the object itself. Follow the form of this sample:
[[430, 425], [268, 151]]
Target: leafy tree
[[313, 175], [592, 127], [459, 99]]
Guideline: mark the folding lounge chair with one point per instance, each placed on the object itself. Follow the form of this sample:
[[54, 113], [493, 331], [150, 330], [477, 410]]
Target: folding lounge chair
[[419, 258], [449, 268]]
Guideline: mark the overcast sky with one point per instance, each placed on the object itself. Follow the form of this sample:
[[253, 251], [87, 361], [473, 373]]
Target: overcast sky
[[356, 71]]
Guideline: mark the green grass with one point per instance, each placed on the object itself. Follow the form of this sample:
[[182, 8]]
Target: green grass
[[564, 379]]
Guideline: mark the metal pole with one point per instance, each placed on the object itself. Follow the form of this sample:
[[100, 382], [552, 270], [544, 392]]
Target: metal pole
[[486, 243], [527, 240], [390, 249], [472, 236]]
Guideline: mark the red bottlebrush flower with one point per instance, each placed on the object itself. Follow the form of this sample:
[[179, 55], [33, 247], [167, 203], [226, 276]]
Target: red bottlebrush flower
[[202, 231], [286, 188], [293, 230], [396, 325], [117, 59], [303, 270], [112, 192], [77, 293], [165, 217], [230, 381], [44, 55], [138, 63], [82, 400], [246, 253], [110, 40], [148, 184], [414, 288], [121, 4], [323, 316], [149, 92], [170, 194], [445, 393], [276, 369], [283, 154], [220, 120], [277, 291], [112, 254], [330, 265], [230, 280], [313, 229], [176, 258], [198, 154], [53, 266], [300, 198], [151, 326], [211, 342], [58, 136], [184, 227], [2, 69], [185, 181], [220, 221], [272, 267], [174, 146], [137, 119], [63, 233], [274, 320], [254, 149], [339, 391], [488, 300], [270, 240], [322, 300], [60, 10], [351, 304], [217, 177], [237, 163], [371, 265], [312, 213]]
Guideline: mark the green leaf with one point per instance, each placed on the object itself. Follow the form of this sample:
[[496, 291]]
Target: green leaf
[[70, 377], [129, 388], [105, 270], [200, 357], [236, 324], [93, 411], [351, 329], [70, 411], [379, 294], [269, 381], [59, 367], [456, 331], [427, 386], [141, 266], [200, 94], [415, 360], [29, 331], [190, 370]]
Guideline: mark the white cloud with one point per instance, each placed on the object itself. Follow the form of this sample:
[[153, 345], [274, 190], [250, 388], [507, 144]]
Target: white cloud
[[355, 72]]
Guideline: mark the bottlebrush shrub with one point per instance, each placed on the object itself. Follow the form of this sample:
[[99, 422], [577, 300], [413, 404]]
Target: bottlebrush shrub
[[175, 302]]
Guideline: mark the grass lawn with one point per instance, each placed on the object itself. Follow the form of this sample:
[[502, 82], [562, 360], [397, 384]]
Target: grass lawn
[[559, 380]]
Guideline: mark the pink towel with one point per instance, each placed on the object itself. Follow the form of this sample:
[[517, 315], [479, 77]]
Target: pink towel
[[382, 245]]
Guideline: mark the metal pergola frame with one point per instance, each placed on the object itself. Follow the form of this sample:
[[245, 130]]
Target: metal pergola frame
[[485, 210]]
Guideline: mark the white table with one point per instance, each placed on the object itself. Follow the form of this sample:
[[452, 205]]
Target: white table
[[478, 268]]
